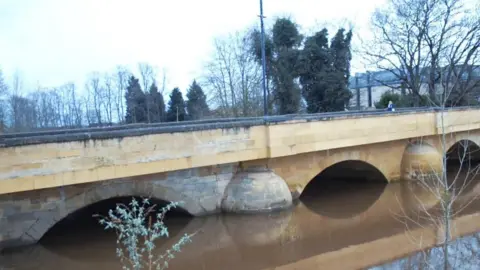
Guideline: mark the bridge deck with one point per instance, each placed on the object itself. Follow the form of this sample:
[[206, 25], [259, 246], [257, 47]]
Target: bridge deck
[[47, 159], [141, 129]]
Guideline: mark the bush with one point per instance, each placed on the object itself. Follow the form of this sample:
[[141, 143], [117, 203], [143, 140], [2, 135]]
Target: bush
[[385, 98], [400, 101], [136, 235]]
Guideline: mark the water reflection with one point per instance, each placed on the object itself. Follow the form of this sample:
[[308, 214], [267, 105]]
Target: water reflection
[[344, 189], [261, 230], [70, 233], [341, 201], [310, 236], [464, 253]]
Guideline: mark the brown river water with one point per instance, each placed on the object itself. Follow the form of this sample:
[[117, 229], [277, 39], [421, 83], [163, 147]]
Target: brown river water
[[333, 226]]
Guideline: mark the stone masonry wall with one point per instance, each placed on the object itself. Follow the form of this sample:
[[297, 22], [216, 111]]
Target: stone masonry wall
[[26, 216], [36, 161]]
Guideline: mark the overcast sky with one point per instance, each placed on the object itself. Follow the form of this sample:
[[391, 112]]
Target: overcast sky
[[51, 42]]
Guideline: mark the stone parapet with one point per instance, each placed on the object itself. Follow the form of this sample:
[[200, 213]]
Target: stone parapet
[[37, 161], [142, 129]]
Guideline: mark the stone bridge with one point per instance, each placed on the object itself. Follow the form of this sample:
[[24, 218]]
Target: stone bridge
[[229, 165]]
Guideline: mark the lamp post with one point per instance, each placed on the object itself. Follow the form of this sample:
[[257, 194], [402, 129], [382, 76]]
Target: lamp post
[[264, 64]]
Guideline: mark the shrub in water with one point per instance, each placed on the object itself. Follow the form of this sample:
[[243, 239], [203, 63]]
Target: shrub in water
[[136, 234]]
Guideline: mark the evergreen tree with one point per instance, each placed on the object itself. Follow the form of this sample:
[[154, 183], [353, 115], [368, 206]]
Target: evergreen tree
[[197, 107], [176, 106], [156, 104], [314, 68], [285, 34], [340, 95], [341, 53], [286, 39], [281, 56], [256, 50], [324, 71], [136, 102]]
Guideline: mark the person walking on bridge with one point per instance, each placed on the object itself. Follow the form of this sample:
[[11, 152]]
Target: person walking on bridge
[[391, 106]]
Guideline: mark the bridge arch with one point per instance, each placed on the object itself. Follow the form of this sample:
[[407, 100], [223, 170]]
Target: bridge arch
[[332, 160], [339, 180], [459, 139], [462, 150], [462, 158], [353, 169], [102, 192]]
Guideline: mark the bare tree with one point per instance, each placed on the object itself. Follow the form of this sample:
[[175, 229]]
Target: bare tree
[[147, 74], [95, 94], [432, 45], [17, 84], [464, 255], [16, 102], [58, 107], [108, 97], [76, 105], [52, 107], [163, 86], [233, 77], [3, 85], [25, 118], [222, 78], [121, 81], [103, 101], [449, 186], [429, 47], [70, 108], [3, 102], [44, 108], [249, 76]]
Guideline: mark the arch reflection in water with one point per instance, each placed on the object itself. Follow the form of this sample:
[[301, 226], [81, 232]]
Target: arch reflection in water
[[80, 225], [225, 244], [344, 189]]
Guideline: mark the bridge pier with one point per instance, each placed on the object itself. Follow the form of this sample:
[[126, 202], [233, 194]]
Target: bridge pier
[[421, 161], [256, 189]]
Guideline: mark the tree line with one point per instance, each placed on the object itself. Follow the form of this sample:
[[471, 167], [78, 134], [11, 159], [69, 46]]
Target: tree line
[[304, 73], [149, 106], [112, 98], [430, 47]]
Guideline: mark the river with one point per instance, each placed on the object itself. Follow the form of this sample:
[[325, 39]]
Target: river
[[335, 226]]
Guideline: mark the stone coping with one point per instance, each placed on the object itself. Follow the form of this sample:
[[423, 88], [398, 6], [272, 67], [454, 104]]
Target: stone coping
[[130, 130]]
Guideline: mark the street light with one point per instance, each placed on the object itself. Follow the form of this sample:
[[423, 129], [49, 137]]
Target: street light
[[264, 64]]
